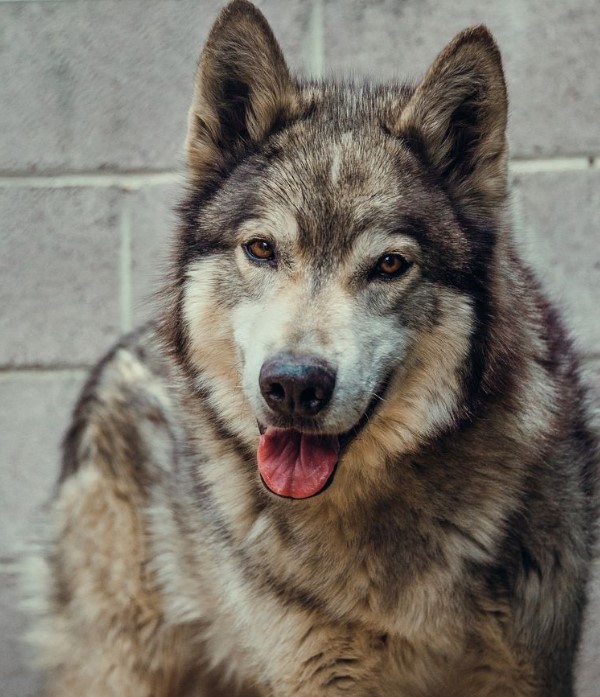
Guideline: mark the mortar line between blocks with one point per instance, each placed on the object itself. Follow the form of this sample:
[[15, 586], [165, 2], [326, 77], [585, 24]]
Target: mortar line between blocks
[[129, 181], [132, 181], [125, 268], [42, 372], [554, 164], [6, 1], [316, 52]]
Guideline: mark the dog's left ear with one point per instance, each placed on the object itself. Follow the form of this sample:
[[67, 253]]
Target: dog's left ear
[[456, 120], [243, 88]]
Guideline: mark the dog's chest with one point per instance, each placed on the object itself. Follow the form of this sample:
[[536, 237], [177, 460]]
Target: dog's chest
[[350, 577]]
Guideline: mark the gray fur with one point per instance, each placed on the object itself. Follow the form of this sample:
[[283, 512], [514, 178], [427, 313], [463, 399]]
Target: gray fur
[[449, 555]]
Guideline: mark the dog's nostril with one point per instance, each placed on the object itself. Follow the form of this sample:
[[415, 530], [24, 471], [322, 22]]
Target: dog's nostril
[[276, 392], [311, 398]]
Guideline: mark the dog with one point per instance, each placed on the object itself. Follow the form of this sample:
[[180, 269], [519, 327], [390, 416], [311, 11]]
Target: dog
[[353, 454]]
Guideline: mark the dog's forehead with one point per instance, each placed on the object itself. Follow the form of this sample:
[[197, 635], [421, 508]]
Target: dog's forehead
[[337, 182]]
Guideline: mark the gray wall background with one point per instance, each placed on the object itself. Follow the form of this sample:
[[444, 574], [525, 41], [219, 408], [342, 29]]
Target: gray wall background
[[93, 101]]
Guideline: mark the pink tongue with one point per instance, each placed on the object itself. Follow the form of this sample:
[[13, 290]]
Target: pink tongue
[[295, 464]]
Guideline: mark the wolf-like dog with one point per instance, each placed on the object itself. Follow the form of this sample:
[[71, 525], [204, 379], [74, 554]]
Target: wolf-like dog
[[353, 455]]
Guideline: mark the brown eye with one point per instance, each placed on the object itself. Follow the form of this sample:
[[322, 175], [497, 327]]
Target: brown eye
[[260, 250], [392, 265]]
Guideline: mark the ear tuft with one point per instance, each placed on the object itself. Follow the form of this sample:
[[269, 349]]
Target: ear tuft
[[243, 88], [457, 118]]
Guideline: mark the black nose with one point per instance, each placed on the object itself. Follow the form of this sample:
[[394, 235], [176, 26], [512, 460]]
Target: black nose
[[296, 385]]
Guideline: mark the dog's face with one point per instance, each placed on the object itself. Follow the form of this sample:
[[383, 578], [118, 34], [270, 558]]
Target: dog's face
[[327, 277]]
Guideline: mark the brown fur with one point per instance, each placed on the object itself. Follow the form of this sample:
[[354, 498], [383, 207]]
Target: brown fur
[[450, 554]]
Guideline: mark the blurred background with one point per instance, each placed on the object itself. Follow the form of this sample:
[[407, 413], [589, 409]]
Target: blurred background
[[93, 103]]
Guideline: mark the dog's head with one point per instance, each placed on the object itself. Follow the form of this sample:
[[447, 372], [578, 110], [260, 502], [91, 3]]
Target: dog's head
[[334, 251]]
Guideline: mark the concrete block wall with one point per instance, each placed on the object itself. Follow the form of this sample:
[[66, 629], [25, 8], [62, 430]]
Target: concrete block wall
[[93, 102]]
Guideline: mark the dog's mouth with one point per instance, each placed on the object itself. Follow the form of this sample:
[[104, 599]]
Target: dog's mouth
[[300, 464], [294, 464]]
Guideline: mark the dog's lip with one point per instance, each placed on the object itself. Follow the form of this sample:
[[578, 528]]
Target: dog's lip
[[262, 429], [342, 437]]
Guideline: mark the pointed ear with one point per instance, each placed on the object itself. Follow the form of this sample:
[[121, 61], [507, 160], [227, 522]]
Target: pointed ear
[[243, 87], [456, 119]]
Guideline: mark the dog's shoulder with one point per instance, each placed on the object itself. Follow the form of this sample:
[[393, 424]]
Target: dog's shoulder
[[123, 422]]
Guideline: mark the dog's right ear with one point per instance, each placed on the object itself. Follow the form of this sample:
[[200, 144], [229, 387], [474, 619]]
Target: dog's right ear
[[243, 88]]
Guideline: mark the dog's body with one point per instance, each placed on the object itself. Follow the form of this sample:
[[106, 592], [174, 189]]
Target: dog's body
[[345, 277]]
